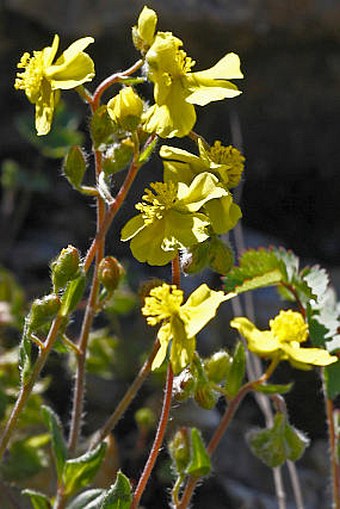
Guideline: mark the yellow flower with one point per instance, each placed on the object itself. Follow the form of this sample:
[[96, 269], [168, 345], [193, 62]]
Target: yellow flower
[[180, 322], [144, 33], [170, 218], [42, 79], [177, 89], [287, 331], [126, 108]]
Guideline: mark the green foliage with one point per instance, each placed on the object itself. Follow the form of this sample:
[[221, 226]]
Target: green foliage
[[119, 496], [102, 127], [236, 371], [200, 464], [89, 499], [59, 448], [26, 459], [73, 294], [274, 388], [79, 472], [75, 166], [278, 444], [38, 500]]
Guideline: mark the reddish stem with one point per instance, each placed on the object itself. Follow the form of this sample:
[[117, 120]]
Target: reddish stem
[[162, 425]]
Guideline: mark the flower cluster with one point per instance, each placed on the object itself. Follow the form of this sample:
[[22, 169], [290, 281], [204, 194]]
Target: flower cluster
[[283, 341]]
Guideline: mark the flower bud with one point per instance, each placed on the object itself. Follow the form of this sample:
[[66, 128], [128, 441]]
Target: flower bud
[[184, 385], [65, 268], [43, 311], [145, 419], [221, 256], [216, 367], [196, 258], [144, 33], [117, 156], [110, 272], [179, 449], [126, 108], [204, 395]]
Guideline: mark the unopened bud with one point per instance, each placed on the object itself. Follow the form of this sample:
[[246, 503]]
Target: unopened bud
[[110, 272], [195, 258], [216, 367], [204, 395], [144, 33], [184, 385], [117, 156], [179, 449], [145, 418], [43, 311], [126, 108], [65, 268]]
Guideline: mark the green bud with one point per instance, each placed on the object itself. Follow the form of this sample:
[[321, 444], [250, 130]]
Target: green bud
[[75, 166], [145, 419], [184, 385], [117, 156], [217, 366], [221, 256], [110, 272], [65, 268], [102, 128], [204, 395], [43, 311], [179, 449], [126, 108], [196, 258]]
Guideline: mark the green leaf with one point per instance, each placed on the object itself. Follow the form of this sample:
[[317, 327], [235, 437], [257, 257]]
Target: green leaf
[[332, 377], [278, 444], [38, 500], [73, 294], [200, 464], [75, 166], [316, 279], [274, 388], [119, 496], [147, 152], [89, 499], [25, 365], [59, 448], [102, 127], [236, 371], [79, 472]]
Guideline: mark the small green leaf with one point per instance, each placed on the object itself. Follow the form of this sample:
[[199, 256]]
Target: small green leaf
[[332, 377], [89, 499], [73, 294], [59, 448], [147, 152], [278, 444], [274, 388], [38, 500], [236, 371], [26, 459], [200, 464], [119, 496], [79, 472], [25, 348], [75, 166]]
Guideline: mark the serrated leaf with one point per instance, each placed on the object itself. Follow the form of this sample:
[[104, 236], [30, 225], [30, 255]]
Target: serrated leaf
[[200, 464], [38, 500], [89, 499], [274, 388], [236, 371], [332, 377], [278, 444], [119, 496], [59, 448], [317, 280], [72, 295], [79, 472]]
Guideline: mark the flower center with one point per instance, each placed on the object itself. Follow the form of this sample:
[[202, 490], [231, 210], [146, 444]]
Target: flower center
[[231, 160], [156, 202], [164, 302], [289, 326], [30, 79]]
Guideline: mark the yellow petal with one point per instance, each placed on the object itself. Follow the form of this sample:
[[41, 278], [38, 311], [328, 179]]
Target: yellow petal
[[315, 356], [226, 69], [164, 337], [260, 342], [206, 91], [132, 227], [44, 109], [50, 52], [223, 213]]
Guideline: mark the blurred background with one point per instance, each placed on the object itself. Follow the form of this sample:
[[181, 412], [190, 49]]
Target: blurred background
[[286, 121]]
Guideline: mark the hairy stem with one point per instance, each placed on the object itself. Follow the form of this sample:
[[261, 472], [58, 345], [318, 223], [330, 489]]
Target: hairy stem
[[27, 388], [162, 425], [333, 442]]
